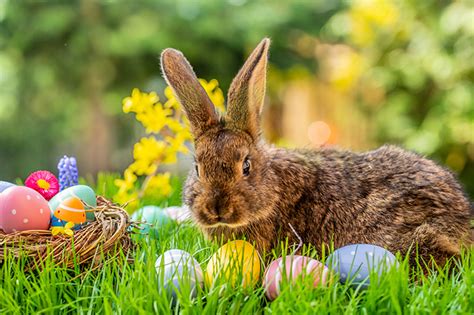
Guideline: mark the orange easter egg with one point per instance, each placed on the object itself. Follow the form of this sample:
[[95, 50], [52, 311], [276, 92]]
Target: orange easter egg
[[71, 210]]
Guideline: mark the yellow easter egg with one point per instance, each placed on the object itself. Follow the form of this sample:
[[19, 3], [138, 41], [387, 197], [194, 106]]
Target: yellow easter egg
[[236, 262]]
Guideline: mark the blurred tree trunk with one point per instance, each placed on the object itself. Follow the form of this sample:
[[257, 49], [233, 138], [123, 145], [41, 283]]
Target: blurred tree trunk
[[308, 100], [95, 146]]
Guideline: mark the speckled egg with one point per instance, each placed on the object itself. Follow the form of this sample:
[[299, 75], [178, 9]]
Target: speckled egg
[[354, 263], [5, 185], [236, 262], [290, 269], [22, 209], [178, 271], [83, 192]]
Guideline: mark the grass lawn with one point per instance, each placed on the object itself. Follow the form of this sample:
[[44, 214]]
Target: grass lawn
[[133, 288]]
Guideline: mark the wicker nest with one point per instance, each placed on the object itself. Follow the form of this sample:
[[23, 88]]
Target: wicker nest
[[99, 241]]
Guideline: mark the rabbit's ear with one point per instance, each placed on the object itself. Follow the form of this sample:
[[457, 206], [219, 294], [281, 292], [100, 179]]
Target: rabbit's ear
[[186, 87], [247, 92]]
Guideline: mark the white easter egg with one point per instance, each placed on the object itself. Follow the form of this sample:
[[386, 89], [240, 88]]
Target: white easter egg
[[5, 185], [178, 271]]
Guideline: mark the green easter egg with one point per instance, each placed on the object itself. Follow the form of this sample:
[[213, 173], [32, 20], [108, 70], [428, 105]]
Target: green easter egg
[[153, 217], [83, 192]]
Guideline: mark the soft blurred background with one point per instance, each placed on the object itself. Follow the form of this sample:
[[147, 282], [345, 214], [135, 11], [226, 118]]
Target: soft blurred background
[[355, 74]]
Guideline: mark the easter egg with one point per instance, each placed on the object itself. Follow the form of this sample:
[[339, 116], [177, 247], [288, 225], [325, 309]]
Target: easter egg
[[71, 210], [153, 217], [291, 268], [83, 192], [178, 271], [56, 222], [354, 263], [151, 214], [5, 185], [22, 208], [236, 262], [179, 214]]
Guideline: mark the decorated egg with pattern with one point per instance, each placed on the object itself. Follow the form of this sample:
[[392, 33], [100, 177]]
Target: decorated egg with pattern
[[289, 269], [178, 271], [354, 263], [22, 209], [71, 210], [83, 192], [236, 263]]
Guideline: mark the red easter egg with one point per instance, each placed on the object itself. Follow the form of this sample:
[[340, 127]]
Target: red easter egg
[[291, 268], [22, 208]]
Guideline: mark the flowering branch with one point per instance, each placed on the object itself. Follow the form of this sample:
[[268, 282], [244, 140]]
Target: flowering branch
[[167, 132]]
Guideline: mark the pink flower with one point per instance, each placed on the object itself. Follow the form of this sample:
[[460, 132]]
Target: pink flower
[[43, 182]]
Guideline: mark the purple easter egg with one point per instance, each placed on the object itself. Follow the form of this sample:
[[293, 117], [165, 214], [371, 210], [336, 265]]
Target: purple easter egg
[[354, 263]]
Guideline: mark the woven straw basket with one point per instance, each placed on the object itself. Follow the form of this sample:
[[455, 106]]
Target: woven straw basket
[[99, 241]]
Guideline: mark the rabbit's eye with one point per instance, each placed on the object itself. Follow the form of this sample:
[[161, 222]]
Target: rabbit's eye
[[246, 167], [197, 169]]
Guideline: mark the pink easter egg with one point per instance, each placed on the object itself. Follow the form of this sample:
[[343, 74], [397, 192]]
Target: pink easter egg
[[22, 208], [291, 268]]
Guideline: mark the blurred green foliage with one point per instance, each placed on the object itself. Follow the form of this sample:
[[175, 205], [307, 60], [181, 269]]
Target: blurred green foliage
[[419, 61], [65, 67]]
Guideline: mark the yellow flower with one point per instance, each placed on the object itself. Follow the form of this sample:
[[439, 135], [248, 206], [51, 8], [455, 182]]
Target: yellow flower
[[212, 89], [128, 182], [129, 198], [175, 125], [168, 131], [159, 184], [369, 16], [377, 12], [346, 69], [66, 230], [154, 119], [143, 167], [178, 143], [171, 102], [139, 102], [215, 93], [149, 149], [361, 31]]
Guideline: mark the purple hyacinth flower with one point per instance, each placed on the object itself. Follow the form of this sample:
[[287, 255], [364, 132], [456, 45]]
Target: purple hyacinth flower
[[68, 173]]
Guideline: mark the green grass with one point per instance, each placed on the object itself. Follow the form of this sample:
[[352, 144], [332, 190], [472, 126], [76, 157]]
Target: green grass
[[125, 288]]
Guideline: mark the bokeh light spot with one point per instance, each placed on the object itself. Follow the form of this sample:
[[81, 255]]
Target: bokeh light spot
[[319, 133]]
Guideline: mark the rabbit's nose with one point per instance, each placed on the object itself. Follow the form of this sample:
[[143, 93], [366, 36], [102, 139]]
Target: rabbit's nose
[[218, 206], [218, 209]]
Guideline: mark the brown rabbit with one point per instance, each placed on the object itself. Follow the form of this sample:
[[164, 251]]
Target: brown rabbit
[[242, 186]]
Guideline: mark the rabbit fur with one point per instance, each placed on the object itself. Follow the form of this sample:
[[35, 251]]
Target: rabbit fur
[[243, 187]]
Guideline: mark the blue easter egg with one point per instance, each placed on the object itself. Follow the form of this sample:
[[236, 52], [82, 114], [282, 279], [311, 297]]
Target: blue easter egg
[[57, 222], [153, 217], [354, 263], [5, 185], [178, 271]]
